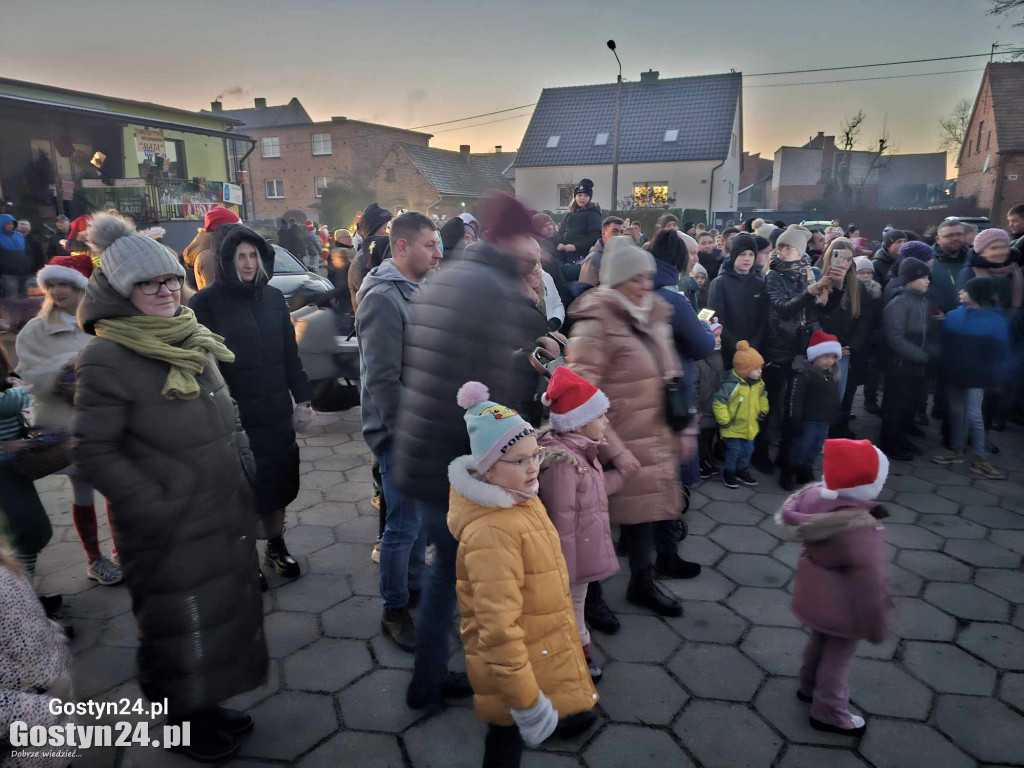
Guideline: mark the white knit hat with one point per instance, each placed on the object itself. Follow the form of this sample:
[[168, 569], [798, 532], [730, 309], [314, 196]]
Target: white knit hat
[[126, 256], [624, 259]]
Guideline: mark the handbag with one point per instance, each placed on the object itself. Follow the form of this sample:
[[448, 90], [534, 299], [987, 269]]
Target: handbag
[[39, 453], [677, 405]]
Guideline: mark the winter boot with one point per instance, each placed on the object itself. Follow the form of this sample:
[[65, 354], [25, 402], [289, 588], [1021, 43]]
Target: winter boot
[[646, 593], [597, 613], [572, 726], [277, 556], [398, 625], [787, 479], [207, 743], [674, 567], [871, 406], [804, 476]]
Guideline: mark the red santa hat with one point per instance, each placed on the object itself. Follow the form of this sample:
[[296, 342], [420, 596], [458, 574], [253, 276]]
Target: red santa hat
[[574, 401], [823, 344], [78, 227], [73, 270], [853, 469]]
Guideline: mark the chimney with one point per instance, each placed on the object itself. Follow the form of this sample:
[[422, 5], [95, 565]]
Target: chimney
[[650, 76], [261, 103], [497, 149], [216, 106], [464, 151]]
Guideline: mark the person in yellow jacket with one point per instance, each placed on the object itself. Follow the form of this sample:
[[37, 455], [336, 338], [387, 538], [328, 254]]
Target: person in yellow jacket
[[740, 405], [523, 655]]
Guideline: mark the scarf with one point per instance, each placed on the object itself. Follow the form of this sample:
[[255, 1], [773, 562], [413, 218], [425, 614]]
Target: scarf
[[1009, 270], [640, 313], [179, 341]]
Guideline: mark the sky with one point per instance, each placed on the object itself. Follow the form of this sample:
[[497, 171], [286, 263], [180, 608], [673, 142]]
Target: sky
[[414, 63]]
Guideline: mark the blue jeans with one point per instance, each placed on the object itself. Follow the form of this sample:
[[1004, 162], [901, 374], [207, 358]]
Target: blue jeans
[[437, 606], [965, 416], [808, 444], [404, 541], [737, 453]]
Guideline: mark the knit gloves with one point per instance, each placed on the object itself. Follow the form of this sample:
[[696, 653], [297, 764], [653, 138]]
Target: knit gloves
[[538, 722]]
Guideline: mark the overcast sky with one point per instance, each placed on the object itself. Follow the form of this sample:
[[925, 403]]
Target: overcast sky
[[413, 63]]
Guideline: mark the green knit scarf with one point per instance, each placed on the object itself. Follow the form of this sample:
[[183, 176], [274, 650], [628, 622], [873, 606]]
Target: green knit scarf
[[180, 341]]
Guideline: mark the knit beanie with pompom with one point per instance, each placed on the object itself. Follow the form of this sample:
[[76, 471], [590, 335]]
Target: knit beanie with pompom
[[493, 428], [746, 359], [126, 256]]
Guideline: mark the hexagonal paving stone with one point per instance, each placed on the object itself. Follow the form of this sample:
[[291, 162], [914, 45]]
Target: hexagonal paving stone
[[699, 524], [967, 496], [716, 672], [1000, 645], [744, 538], [357, 617], [327, 665], [290, 723], [377, 702], [900, 514], [934, 566], [755, 570], [328, 513], [985, 728], [249, 699], [882, 688], [952, 527], [710, 585], [727, 736], [770, 607], [1011, 690], [642, 638], [818, 757], [716, 491], [928, 503], [778, 704], [697, 500], [338, 558], [708, 622], [620, 745], [356, 750], [454, 739], [914, 619], [788, 554], [1002, 488], [943, 475], [328, 440], [912, 537], [765, 500], [700, 549], [361, 530], [733, 512], [312, 593], [1007, 584], [947, 669], [983, 554], [1012, 540], [640, 693], [897, 744], [99, 603], [995, 517], [319, 480], [967, 602], [306, 539], [389, 655], [287, 632], [902, 582], [910, 484], [98, 669], [350, 491], [776, 649]]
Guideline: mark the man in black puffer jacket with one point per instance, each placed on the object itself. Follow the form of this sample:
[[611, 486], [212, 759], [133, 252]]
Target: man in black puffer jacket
[[887, 258], [472, 321], [739, 299]]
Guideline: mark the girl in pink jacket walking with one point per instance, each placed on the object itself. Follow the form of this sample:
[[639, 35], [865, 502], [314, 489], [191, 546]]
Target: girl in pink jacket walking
[[840, 590], [575, 488]]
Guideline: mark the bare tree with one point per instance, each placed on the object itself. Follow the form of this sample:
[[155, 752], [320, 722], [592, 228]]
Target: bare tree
[[1007, 8], [849, 132], [953, 127]]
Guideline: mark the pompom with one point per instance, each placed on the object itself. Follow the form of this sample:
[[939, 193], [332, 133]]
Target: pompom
[[741, 345], [471, 393], [104, 229], [545, 400]]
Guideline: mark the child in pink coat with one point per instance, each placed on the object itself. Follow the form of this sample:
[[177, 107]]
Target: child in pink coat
[[575, 488], [840, 590]]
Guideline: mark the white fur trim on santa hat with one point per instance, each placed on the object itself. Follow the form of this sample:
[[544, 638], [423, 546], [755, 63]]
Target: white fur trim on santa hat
[[862, 492], [55, 272], [581, 415], [825, 348]]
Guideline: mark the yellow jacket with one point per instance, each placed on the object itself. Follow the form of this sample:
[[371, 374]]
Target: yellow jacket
[[518, 624], [739, 407]]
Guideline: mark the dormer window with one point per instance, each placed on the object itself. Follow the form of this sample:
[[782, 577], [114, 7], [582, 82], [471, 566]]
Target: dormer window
[[601, 140], [553, 141], [672, 134]]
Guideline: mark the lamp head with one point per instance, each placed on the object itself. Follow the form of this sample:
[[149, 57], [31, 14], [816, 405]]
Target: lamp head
[[611, 45]]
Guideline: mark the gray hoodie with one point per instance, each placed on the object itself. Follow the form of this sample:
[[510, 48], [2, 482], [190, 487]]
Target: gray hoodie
[[383, 298]]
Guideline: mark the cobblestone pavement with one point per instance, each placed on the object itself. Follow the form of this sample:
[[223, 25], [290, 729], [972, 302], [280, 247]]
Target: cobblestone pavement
[[714, 688]]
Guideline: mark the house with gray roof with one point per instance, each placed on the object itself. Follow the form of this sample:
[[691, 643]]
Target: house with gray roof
[[680, 143]]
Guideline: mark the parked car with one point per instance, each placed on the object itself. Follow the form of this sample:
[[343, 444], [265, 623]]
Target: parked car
[[291, 275], [981, 222]]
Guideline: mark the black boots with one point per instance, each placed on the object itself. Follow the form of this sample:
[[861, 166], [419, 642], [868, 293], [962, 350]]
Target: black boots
[[646, 593], [674, 567], [597, 613], [787, 478], [277, 556]]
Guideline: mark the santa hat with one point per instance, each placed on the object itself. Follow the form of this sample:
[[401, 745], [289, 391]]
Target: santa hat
[[823, 344], [217, 216], [78, 227], [73, 270], [574, 401], [853, 469]]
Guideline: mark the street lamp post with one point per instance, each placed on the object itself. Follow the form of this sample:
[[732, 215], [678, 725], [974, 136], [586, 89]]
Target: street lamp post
[[615, 143]]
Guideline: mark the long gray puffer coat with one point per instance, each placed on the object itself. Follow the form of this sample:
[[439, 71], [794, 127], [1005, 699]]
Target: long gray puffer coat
[[182, 510]]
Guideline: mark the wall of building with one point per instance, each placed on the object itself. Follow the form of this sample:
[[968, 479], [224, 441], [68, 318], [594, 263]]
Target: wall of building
[[205, 156], [408, 189]]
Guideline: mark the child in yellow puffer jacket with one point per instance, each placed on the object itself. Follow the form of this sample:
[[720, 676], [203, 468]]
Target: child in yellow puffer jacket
[[740, 405]]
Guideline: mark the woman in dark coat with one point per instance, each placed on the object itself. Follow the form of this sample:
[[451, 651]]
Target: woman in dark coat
[[157, 433], [265, 376], [581, 228]]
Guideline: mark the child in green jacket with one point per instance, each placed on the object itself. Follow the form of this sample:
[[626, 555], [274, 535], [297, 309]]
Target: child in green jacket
[[740, 405]]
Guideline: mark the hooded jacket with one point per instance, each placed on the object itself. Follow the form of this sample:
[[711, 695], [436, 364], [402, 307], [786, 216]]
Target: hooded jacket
[[582, 228], [945, 271], [181, 510], [384, 300], [200, 260], [975, 348], [518, 624], [908, 334], [885, 266], [813, 394], [712, 262], [740, 406], [741, 304], [792, 312], [978, 267], [14, 258], [267, 373], [840, 585]]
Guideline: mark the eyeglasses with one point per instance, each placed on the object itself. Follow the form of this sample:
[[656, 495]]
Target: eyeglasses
[[534, 458], [152, 287]]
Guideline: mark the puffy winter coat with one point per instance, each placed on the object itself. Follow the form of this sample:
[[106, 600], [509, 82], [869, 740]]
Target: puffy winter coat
[[852, 332], [740, 406], [908, 332], [629, 360], [741, 304], [372, 252], [978, 267], [945, 270], [575, 491], [14, 258], [470, 322], [200, 260], [885, 266], [182, 513], [813, 395], [975, 348], [793, 313], [708, 378], [267, 372], [45, 347], [712, 263], [518, 624], [582, 228], [840, 584]]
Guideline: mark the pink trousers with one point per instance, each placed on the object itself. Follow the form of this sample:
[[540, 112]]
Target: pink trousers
[[823, 675]]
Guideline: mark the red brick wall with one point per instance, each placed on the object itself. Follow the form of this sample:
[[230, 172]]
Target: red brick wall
[[409, 188]]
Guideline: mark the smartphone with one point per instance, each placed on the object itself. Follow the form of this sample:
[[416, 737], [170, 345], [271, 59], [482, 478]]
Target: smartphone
[[706, 314]]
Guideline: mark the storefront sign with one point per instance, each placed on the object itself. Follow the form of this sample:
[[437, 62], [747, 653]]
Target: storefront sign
[[232, 194], [124, 183], [67, 189], [149, 144]]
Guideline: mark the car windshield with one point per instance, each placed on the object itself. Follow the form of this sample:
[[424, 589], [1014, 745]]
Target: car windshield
[[286, 264]]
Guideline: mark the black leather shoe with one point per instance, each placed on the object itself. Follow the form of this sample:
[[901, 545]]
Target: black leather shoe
[[674, 567], [871, 406], [455, 686], [207, 744], [230, 721], [398, 625], [51, 604], [646, 593], [597, 613], [572, 726], [787, 480], [277, 556]]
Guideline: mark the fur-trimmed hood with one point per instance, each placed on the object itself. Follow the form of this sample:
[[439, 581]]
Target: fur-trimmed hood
[[483, 498], [807, 516], [566, 448]]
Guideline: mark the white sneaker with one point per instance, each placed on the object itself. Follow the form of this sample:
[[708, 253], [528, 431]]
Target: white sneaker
[[857, 720], [104, 571], [375, 554]]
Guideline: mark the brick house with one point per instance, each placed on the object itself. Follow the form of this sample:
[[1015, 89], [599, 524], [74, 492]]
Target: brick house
[[991, 160], [296, 158], [755, 182], [438, 181]]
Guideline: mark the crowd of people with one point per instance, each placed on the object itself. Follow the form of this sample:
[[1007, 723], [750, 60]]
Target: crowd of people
[[529, 391]]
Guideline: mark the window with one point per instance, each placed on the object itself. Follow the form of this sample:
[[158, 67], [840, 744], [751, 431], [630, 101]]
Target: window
[[649, 194], [672, 134], [321, 143], [553, 141], [174, 163], [389, 175], [565, 194], [732, 146], [977, 144], [601, 140], [319, 185], [274, 188], [270, 146]]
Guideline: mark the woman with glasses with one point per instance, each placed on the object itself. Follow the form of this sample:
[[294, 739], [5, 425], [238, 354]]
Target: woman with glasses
[[266, 377], [157, 433]]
